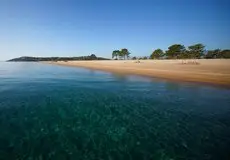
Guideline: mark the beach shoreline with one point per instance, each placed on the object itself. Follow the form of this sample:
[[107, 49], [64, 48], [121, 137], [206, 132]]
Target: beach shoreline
[[208, 71]]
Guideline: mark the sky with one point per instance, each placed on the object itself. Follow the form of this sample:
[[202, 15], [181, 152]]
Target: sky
[[84, 27]]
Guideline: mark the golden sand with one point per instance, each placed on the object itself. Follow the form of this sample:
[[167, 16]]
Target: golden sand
[[214, 71]]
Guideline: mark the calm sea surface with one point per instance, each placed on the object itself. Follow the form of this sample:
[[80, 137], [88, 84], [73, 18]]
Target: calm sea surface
[[54, 112]]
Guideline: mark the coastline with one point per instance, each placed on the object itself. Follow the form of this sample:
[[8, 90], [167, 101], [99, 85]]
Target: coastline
[[208, 71]]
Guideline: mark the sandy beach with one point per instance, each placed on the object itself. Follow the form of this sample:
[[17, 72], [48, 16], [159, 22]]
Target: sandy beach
[[213, 71]]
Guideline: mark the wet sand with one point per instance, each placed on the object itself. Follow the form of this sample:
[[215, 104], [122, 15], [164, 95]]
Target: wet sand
[[215, 71]]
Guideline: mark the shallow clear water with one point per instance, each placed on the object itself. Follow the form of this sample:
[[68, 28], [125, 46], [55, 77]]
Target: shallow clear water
[[55, 112]]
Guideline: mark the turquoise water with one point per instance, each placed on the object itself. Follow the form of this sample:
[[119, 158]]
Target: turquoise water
[[55, 112]]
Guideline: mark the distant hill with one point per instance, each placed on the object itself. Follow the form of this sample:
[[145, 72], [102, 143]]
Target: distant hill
[[37, 59]]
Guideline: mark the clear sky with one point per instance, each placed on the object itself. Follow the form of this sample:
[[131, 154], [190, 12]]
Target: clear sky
[[83, 27]]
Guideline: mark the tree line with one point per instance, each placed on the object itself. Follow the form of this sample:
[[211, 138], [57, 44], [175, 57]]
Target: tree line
[[178, 51], [121, 54], [37, 59]]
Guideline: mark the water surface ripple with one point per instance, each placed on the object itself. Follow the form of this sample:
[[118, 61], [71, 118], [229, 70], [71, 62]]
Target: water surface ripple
[[54, 112]]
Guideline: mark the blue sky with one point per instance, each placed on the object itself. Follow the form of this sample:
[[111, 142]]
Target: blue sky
[[82, 27]]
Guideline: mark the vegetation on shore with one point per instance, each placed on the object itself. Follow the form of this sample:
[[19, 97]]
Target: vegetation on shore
[[122, 54], [37, 59], [178, 51], [175, 51]]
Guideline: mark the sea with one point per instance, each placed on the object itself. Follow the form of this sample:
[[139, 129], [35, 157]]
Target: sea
[[50, 112]]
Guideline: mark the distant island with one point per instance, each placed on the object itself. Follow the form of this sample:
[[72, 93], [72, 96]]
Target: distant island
[[38, 59]]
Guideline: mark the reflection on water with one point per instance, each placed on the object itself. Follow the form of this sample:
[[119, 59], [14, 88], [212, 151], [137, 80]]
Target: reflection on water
[[118, 76], [54, 112], [172, 86]]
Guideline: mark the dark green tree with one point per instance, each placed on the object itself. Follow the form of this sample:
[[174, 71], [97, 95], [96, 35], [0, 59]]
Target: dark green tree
[[175, 51], [145, 57], [128, 55], [157, 54], [213, 54], [115, 53], [210, 55], [92, 57], [196, 51], [217, 53], [225, 53], [125, 53], [120, 55]]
